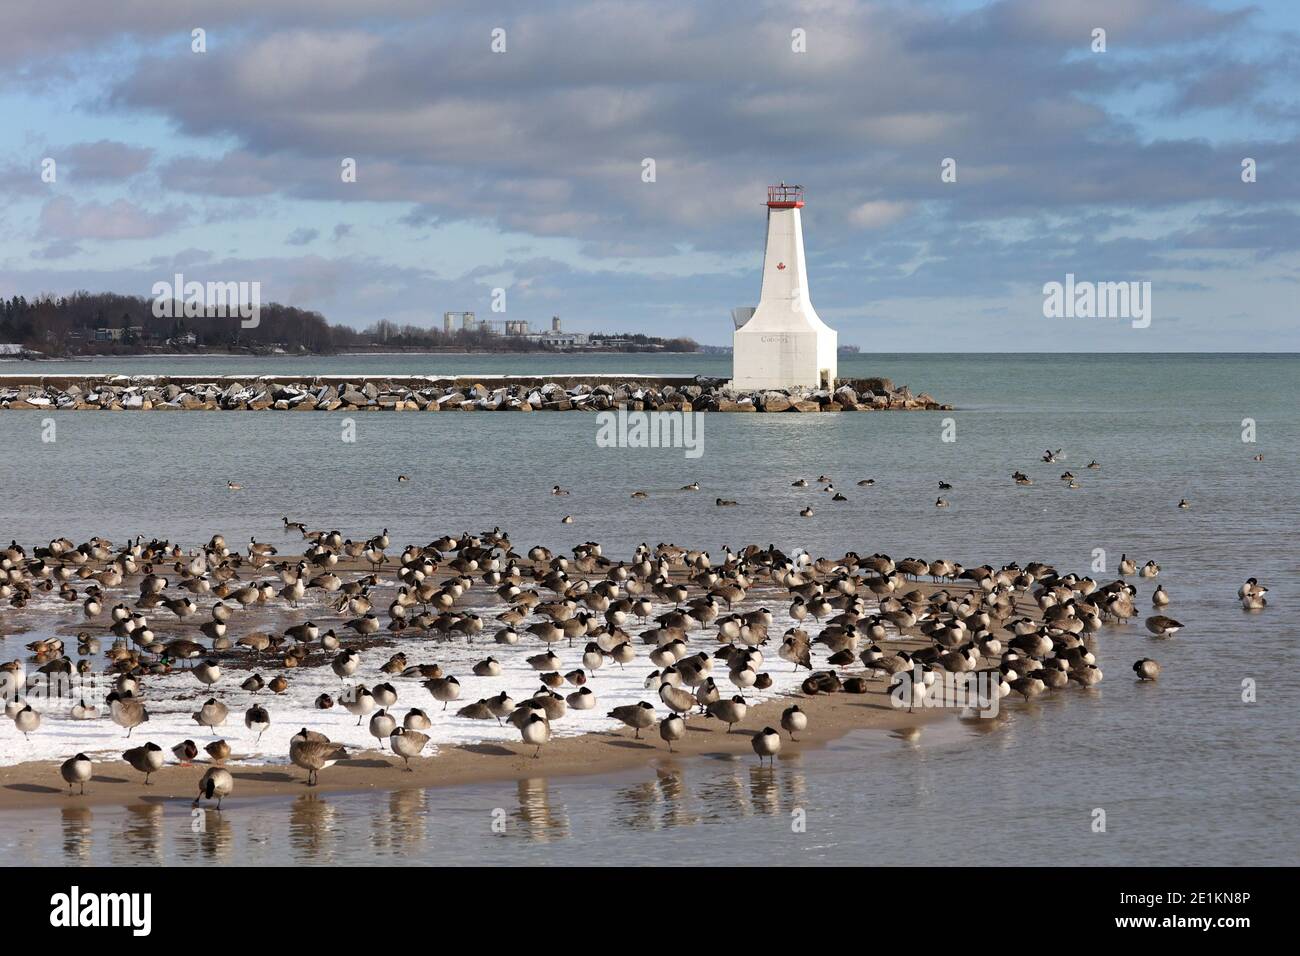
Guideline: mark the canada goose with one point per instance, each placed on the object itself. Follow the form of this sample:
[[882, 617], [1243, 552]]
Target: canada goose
[[1146, 669], [83, 711], [693, 486], [724, 502], [253, 684], [185, 752], [416, 719], [639, 494], [407, 744], [1021, 478], [581, 699], [345, 663], [314, 755], [489, 667], [794, 721], [445, 689], [385, 694], [766, 743], [76, 770], [233, 486], [1184, 503], [637, 716], [257, 719], [218, 750], [358, 700], [941, 503], [536, 731], [557, 490], [1127, 565], [381, 726], [945, 486], [208, 673], [27, 720], [216, 783], [212, 714], [1162, 626], [1149, 570], [147, 759], [294, 525], [806, 512], [1252, 595], [671, 728], [126, 710], [1160, 597], [567, 519], [677, 700], [402, 478], [730, 712]]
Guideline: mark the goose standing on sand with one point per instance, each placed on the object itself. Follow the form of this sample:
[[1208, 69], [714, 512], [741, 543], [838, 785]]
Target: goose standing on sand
[[730, 712], [794, 721], [1146, 669], [313, 754], [215, 784], [637, 716], [76, 770], [147, 759], [766, 743], [536, 731], [672, 728], [407, 744]]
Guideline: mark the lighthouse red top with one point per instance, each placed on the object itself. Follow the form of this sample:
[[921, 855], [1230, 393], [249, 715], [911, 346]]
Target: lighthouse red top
[[784, 197]]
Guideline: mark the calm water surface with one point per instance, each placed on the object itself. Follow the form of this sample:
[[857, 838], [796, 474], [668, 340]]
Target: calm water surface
[[1186, 772]]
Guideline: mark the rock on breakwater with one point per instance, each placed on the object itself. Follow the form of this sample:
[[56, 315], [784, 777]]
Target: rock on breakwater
[[430, 393]]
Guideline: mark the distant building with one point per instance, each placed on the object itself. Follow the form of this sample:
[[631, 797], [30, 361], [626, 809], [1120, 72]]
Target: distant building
[[109, 335]]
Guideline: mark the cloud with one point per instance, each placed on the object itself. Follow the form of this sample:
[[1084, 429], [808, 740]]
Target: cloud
[[302, 236], [105, 161], [878, 213], [64, 218]]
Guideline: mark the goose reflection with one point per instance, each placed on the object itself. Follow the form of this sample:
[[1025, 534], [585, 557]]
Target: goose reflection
[[403, 828], [77, 834], [142, 837], [215, 837], [537, 819], [673, 792], [311, 828]]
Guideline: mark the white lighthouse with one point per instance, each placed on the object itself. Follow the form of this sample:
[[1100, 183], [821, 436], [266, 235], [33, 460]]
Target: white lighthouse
[[782, 343]]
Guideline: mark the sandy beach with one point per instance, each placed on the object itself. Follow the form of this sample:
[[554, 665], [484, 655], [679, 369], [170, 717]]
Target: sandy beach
[[830, 717], [460, 751]]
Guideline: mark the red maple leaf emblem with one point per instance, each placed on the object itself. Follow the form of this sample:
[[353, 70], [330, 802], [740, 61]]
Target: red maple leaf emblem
[[780, 265]]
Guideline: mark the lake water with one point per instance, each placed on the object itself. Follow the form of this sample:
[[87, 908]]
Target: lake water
[[1186, 772]]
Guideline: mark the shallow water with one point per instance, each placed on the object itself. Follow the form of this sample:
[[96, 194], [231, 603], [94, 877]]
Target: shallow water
[[1185, 770]]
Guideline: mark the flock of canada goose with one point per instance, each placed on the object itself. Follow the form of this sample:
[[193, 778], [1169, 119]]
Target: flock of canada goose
[[1026, 628]]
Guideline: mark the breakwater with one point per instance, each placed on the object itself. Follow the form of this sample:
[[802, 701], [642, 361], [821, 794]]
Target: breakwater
[[590, 392]]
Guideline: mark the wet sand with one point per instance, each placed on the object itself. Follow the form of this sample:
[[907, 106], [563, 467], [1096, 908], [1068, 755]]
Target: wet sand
[[829, 718], [38, 783]]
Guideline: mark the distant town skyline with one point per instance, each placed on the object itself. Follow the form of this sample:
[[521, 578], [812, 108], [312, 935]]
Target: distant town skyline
[[608, 161]]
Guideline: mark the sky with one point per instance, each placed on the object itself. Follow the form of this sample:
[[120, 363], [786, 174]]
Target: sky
[[504, 145]]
